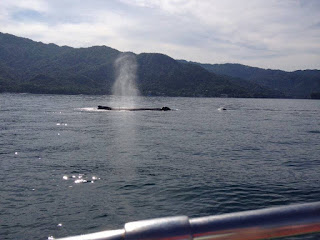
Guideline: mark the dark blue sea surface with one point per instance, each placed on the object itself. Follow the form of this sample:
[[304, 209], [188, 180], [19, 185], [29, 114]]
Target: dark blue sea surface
[[68, 169]]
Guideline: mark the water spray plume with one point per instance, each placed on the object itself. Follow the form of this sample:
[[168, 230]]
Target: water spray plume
[[126, 69]]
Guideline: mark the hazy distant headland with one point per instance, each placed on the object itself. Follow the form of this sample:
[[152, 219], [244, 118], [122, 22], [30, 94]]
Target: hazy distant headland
[[34, 67]]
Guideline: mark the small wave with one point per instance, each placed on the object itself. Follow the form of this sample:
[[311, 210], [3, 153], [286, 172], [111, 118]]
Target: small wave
[[264, 109], [314, 131]]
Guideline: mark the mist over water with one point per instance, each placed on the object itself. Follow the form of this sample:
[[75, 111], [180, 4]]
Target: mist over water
[[126, 69]]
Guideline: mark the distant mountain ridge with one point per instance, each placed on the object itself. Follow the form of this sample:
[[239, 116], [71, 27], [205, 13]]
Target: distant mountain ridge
[[297, 84], [29, 66]]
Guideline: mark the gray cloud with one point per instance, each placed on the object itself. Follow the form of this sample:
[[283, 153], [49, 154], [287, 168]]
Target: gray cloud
[[271, 34]]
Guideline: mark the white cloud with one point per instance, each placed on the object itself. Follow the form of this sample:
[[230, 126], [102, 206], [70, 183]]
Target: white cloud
[[36, 5], [270, 34]]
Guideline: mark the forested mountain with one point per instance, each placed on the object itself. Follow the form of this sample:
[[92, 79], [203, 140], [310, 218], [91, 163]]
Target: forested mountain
[[297, 84], [28, 66]]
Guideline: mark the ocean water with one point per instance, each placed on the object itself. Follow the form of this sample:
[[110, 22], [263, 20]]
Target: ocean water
[[68, 169]]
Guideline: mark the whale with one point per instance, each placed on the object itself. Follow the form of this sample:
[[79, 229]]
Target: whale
[[133, 109]]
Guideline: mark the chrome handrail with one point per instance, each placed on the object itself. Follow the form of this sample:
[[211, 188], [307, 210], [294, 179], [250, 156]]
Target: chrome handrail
[[249, 225]]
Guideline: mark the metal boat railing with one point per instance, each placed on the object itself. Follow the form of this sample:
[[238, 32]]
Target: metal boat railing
[[249, 225]]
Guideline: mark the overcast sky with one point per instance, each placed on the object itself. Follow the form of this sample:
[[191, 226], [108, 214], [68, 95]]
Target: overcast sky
[[277, 34]]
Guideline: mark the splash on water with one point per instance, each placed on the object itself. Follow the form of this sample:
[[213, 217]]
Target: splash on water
[[62, 124], [89, 109], [222, 109]]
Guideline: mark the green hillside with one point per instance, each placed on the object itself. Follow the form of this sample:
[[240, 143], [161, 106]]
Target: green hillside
[[29, 66], [297, 84]]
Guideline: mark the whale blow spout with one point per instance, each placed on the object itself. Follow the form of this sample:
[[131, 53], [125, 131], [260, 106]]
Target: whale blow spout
[[126, 75]]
